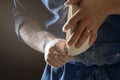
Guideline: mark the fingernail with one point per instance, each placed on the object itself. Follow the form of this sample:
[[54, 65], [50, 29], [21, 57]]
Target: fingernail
[[67, 3], [65, 28]]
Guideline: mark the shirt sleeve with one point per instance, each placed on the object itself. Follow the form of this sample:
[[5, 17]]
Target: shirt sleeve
[[25, 10]]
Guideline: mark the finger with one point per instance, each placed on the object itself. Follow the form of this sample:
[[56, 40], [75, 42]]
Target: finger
[[60, 59], [82, 39], [54, 54], [73, 20], [65, 52], [70, 2], [76, 34], [93, 36], [53, 50], [66, 58], [60, 52], [61, 49], [69, 57], [52, 63], [56, 59]]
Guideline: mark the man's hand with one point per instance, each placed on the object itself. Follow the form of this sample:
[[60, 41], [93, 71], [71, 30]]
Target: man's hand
[[73, 2], [89, 17], [56, 53]]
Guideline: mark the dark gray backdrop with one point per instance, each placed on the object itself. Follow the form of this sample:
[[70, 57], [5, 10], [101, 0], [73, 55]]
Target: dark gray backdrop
[[17, 60]]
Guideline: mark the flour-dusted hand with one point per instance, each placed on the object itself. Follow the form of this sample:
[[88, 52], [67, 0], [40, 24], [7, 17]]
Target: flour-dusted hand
[[89, 17], [56, 53]]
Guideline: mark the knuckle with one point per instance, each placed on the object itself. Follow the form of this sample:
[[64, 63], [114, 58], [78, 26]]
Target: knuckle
[[51, 49], [49, 55], [47, 60], [85, 35]]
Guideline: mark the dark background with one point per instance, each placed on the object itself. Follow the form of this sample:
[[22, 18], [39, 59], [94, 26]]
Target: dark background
[[17, 60]]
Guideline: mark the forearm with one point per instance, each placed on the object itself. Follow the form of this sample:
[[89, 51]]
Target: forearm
[[35, 36]]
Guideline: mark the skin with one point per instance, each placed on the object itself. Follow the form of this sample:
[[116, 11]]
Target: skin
[[51, 55], [34, 35], [90, 15]]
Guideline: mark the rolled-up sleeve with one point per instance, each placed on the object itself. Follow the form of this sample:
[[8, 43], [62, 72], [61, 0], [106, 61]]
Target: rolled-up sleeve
[[25, 10]]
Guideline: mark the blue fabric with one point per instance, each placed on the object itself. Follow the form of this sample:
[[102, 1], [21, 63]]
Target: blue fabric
[[79, 71]]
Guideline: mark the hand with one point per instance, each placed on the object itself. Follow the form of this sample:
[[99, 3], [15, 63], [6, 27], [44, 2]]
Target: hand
[[56, 53], [89, 17], [71, 2]]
